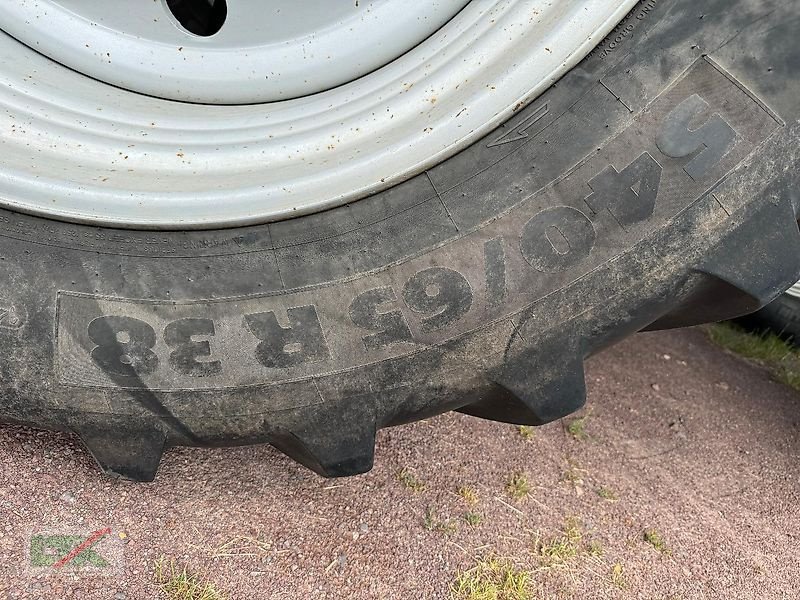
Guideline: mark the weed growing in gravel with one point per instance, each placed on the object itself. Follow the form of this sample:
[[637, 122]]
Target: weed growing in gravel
[[606, 493], [473, 519], [573, 474], [577, 428], [618, 576], [557, 551], [469, 494], [768, 350], [526, 432], [432, 522], [410, 481], [179, 584], [492, 579], [653, 537], [594, 548], [517, 486]]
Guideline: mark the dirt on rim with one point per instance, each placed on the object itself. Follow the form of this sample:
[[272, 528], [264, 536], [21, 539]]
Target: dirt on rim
[[682, 444]]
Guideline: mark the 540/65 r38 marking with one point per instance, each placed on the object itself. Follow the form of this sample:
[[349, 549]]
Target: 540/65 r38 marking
[[554, 240]]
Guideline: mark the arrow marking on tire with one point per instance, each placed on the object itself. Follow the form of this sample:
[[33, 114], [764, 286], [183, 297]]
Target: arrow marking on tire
[[520, 132]]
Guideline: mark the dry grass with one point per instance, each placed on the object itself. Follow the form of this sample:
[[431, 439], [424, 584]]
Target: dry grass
[[618, 576], [469, 494], [492, 579], [177, 583], [242, 546], [526, 432]]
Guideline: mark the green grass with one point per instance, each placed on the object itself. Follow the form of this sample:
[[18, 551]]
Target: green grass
[[473, 519], [517, 486], [653, 537], [577, 428], [432, 522], [492, 579], [177, 583], [607, 493], [558, 550], [768, 350], [573, 474], [409, 480]]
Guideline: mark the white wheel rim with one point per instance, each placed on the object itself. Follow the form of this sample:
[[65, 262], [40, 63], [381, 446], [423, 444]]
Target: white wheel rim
[[82, 150], [794, 291], [265, 51]]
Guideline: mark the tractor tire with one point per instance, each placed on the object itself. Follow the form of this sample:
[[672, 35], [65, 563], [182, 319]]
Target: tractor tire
[[655, 185], [780, 317]]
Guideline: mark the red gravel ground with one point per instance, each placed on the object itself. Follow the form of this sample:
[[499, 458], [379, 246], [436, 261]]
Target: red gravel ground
[[693, 443]]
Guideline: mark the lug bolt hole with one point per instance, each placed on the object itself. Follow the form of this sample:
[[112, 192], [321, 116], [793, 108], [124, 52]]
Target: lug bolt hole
[[200, 17]]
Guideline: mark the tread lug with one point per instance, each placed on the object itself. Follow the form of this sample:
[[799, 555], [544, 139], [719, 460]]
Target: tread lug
[[124, 451], [330, 444], [746, 271], [534, 390]]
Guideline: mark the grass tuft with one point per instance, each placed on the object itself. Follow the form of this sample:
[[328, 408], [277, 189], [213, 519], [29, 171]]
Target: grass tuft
[[469, 494], [594, 548], [517, 486], [179, 584], [573, 474], [492, 579], [607, 493], [432, 522], [618, 576], [653, 537], [526, 432], [779, 357], [557, 551], [473, 519], [410, 481], [577, 428]]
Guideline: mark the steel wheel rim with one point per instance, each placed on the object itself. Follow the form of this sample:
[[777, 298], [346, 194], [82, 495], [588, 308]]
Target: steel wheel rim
[[82, 150]]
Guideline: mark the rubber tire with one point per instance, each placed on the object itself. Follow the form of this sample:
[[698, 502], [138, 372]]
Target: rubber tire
[[480, 285], [781, 317]]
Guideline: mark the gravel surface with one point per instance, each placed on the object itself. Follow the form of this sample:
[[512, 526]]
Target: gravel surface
[[684, 441]]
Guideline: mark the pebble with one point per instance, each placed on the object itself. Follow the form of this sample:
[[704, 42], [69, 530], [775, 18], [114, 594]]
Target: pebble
[[68, 498]]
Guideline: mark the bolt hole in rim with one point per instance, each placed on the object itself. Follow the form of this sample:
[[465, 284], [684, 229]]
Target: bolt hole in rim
[[200, 17], [133, 135]]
